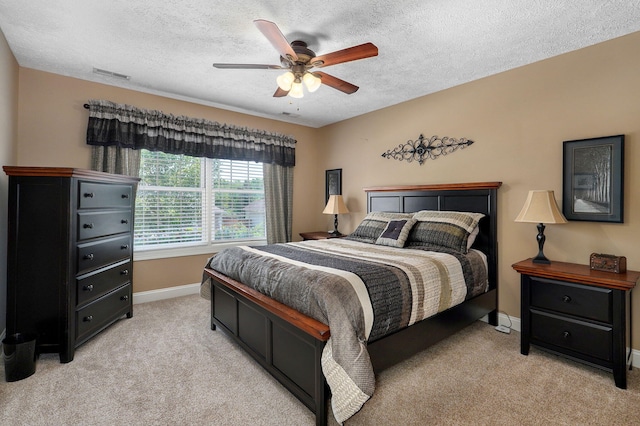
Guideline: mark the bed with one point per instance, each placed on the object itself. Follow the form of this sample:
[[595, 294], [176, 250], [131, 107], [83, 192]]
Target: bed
[[295, 347]]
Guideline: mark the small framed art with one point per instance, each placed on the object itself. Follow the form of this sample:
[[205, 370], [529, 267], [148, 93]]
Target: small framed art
[[333, 182], [593, 179]]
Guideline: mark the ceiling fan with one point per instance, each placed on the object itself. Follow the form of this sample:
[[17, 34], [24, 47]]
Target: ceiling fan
[[299, 60]]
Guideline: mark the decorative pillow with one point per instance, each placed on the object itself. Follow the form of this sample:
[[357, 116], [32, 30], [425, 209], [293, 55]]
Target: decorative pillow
[[374, 224], [396, 232], [446, 229]]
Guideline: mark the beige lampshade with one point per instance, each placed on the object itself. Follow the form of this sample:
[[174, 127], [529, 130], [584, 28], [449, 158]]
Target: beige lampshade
[[335, 205], [541, 207]]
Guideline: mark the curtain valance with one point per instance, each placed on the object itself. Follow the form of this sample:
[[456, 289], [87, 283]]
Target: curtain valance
[[125, 126]]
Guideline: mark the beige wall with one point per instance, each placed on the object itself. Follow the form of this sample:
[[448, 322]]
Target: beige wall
[[8, 143], [518, 120], [52, 128]]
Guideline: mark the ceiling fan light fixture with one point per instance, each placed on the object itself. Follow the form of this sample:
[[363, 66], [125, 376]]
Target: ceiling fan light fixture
[[285, 81], [312, 82], [296, 89]]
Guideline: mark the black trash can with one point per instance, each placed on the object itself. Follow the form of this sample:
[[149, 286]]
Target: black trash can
[[19, 356]]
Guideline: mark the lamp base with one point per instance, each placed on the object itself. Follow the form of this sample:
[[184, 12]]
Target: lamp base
[[542, 260], [335, 232]]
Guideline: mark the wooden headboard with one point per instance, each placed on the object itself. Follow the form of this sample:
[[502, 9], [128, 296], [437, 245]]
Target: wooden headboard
[[478, 197]]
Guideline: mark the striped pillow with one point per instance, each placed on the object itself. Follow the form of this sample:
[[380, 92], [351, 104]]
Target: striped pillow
[[446, 229], [374, 224]]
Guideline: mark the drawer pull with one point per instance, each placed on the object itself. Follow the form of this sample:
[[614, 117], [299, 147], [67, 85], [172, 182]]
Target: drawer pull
[[124, 272], [88, 256], [125, 196], [124, 247], [88, 226], [125, 221], [566, 335], [88, 318], [125, 297], [88, 287], [88, 195], [566, 299]]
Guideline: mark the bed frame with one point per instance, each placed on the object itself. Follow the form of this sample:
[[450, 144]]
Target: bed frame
[[289, 344]]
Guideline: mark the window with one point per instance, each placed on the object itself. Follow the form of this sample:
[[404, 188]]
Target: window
[[186, 202]]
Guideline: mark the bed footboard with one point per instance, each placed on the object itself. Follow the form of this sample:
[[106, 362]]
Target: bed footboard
[[286, 343]]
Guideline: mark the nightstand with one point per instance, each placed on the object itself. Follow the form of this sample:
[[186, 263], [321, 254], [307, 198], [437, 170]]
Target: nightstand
[[579, 313], [318, 235]]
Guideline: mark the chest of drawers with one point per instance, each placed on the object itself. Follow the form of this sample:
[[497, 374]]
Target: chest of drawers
[[69, 259], [579, 313]]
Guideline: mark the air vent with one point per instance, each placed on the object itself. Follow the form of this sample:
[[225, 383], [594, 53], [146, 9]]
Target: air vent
[[288, 114], [110, 74]]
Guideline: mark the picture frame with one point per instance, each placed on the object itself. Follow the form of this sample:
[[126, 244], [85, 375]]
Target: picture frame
[[593, 179], [333, 183]]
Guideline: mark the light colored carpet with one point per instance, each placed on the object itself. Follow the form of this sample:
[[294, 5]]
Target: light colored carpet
[[166, 366]]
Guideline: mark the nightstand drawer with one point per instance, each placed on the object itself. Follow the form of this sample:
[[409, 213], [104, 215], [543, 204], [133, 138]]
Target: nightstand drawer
[[573, 299], [586, 338]]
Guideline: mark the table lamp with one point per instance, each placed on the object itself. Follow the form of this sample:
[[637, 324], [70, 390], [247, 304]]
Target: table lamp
[[335, 206], [541, 208]]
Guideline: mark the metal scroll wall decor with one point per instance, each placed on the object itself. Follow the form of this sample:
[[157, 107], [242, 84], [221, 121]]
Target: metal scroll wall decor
[[422, 149]]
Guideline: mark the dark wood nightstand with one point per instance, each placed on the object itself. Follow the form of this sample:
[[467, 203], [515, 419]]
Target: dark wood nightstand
[[579, 313], [318, 235]]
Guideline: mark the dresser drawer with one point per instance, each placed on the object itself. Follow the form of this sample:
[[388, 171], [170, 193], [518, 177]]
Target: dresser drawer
[[94, 195], [94, 285], [574, 299], [95, 255], [103, 223], [579, 336], [95, 316]]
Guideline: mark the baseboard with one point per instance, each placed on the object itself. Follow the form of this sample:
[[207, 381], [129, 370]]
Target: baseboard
[[165, 293]]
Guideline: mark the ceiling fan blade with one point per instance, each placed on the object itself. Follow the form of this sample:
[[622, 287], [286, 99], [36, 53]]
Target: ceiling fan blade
[[280, 93], [354, 53], [248, 66], [336, 83], [277, 39]]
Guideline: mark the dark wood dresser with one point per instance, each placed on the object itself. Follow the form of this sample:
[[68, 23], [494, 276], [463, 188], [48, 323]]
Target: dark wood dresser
[[70, 247], [579, 313]]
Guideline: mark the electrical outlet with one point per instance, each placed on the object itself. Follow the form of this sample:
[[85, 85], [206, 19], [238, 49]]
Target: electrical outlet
[[503, 329]]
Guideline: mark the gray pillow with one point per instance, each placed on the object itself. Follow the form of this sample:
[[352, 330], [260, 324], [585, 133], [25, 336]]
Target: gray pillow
[[446, 229]]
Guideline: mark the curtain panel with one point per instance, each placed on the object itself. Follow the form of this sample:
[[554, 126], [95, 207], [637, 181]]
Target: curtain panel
[[125, 126]]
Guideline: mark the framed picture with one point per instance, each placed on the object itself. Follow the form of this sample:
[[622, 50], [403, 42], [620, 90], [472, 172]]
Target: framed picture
[[593, 179], [333, 182]]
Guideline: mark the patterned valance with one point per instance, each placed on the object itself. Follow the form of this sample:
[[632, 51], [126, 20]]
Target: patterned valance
[[125, 126]]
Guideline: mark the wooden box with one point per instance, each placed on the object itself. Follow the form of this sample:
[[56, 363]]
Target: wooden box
[[608, 263]]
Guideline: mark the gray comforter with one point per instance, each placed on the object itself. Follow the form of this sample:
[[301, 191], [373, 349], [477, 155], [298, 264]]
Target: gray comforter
[[362, 291]]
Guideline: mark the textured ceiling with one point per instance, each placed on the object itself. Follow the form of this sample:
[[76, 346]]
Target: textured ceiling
[[168, 47]]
